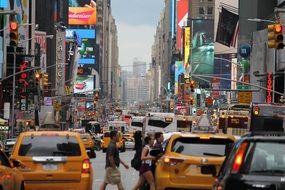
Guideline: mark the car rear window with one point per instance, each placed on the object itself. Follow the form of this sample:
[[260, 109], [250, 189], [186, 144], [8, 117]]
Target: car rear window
[[265, 158], [202, 147], [49, 146], [85, 136]]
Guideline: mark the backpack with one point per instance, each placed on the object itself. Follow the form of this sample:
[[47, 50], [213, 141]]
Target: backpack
[[136, 161]]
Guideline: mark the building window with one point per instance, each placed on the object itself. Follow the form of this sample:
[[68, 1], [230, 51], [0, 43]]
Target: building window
[[210, 11], [201, 10]]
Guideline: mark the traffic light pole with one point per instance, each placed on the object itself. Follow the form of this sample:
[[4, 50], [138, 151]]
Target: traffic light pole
[[13, 92]]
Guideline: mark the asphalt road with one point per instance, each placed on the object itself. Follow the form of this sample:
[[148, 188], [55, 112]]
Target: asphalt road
[[129, 177]]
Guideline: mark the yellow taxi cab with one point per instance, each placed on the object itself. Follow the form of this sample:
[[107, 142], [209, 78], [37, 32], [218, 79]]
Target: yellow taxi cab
[[192, 160], [88, 141], [10, 177], [106, 141], [53, 160]]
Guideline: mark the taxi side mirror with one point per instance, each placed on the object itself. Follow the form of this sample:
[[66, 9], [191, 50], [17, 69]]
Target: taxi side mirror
[[17, 163]]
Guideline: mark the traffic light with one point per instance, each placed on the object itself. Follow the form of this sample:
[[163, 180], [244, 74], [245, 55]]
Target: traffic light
[[45, 79], [14, 34], [191, 100], [96, 97], [275, 36], [192, 85]]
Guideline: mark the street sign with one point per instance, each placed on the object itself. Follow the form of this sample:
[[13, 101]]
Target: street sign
[[244, 97]]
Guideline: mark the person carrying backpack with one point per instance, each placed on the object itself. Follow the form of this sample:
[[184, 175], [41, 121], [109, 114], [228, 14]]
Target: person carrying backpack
[[145, 169]]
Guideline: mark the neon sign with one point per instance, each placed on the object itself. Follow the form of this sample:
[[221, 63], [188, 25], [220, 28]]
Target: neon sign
[[269, 88]]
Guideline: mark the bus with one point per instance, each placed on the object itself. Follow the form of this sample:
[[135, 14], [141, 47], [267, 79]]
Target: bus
[[160, 122], [235, 119], [184, 123], [267, 117], [137, 123]]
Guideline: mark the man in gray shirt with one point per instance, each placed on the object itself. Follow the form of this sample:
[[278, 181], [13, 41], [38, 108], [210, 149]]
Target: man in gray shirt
[[113, 175]]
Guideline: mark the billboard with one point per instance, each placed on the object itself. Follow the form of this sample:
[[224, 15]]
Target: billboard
[[82, 12], [179, 70], [182, 15], [223, 68], [87, 49], [202, 57], [187, 38], [41, 40], [4, 4], [84, 84]]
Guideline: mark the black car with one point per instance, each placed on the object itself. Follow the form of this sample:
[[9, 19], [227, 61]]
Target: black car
[[257, 161]]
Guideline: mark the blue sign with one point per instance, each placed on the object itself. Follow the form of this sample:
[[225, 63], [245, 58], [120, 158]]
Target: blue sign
[[87, 44], [244, 50], [4, 4]]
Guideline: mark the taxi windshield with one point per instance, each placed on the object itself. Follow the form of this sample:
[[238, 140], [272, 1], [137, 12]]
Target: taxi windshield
[[201, 147], [49, 146]]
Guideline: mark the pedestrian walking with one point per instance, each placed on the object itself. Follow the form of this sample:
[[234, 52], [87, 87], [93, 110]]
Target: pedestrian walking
[[113, 175], [145, 169]]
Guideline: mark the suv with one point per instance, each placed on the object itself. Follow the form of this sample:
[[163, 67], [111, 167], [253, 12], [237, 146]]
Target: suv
[[257, 161], [191, 161], [53, 160]]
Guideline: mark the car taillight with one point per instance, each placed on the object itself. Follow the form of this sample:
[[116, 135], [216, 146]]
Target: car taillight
[[172, 161], [90, 142], [86, 165], [239, 157], [219, 188]]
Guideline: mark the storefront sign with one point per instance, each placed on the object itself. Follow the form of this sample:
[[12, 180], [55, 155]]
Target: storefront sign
[[269, 88], [60, 62]]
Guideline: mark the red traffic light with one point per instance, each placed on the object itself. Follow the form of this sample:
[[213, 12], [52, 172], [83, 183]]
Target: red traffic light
[[278, 28], [13, 25]]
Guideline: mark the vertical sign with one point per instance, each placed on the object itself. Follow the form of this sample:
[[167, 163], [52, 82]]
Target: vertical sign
[[186, 50], [60, 62], [269, 88], [7, 110], [41, 40]]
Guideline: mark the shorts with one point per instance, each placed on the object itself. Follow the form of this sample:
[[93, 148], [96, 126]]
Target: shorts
[[112, 176], [144, 168]]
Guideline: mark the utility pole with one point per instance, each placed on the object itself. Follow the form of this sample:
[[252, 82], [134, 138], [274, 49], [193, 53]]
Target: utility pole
[[13, 91]]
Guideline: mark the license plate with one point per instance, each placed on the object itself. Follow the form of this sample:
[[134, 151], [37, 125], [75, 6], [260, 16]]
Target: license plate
[[50, 167]]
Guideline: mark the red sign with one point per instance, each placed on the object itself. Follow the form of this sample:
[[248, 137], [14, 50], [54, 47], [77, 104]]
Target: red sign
[[23, 76], [216, 85], [269, 88], [182, 12]]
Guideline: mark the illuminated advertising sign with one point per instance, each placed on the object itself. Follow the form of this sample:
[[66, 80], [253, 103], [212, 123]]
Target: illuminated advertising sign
[[202, 59], [182, 15], [269, 86], [41, 40], [84, 84], [187, 39], [179, 70], [82, 12], [87, 50], [223, 67], [4, 4]]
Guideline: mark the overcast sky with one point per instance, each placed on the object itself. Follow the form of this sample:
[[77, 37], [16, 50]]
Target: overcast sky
[[136, 21]]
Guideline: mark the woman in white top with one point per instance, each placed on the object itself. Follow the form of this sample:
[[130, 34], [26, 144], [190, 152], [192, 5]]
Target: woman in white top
[[145, 169]]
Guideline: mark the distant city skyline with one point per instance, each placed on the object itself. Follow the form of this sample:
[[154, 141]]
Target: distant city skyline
[[136, 29]]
